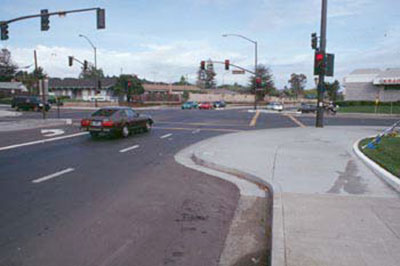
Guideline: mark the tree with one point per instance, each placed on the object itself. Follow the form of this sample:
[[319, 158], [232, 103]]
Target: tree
[[183, 81], [205, 78], [7, 67], [201, 78], [128, 85], [91, 73], [266, 80], [332, 89], [210, 75], [297, 83]]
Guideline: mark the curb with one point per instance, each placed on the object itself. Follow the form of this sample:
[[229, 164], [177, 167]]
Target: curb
[[267, 251], [386, 176]]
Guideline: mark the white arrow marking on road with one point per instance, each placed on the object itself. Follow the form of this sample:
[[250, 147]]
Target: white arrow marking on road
[[166, 136], [52, 132], [45, 178]]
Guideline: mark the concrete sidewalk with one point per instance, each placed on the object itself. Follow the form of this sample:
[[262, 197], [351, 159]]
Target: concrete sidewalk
[[328, 207]]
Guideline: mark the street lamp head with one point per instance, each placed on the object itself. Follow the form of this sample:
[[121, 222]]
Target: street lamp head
[[224, 35]]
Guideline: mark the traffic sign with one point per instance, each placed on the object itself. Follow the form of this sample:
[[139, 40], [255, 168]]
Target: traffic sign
[[238, 72]]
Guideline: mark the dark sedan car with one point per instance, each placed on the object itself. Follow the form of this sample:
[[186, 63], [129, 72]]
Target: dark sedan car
[[219, 104], [116, 121], [26, 103], [307, 108]]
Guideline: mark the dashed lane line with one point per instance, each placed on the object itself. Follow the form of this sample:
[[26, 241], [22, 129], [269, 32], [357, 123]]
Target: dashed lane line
[[296, 121], [253, 121], [166, 136], [130, 148], [48, 177], [202, 129], [42, 141], [201, 124]]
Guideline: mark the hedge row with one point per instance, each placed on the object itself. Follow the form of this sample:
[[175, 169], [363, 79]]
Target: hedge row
[[366, 103]]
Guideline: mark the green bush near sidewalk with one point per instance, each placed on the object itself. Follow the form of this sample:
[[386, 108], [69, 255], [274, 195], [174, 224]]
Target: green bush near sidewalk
[[5, 100], [386, 153]]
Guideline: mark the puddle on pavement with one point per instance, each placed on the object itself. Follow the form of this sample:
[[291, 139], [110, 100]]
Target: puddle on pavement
[[348, 181]]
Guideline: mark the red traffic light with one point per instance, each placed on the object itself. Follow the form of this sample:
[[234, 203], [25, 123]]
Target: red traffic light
[[226, 64], [129, 84], [319, 56], [203, 65], [258, 81]]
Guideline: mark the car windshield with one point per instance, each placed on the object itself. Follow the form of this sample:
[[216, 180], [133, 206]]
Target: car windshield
[[105, 112]]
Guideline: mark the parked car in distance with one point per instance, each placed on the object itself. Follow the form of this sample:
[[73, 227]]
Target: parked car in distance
[[205, 106], [307, 108], [116, 121], [26, 103], [275, 106], [219, 104], [189, 105]]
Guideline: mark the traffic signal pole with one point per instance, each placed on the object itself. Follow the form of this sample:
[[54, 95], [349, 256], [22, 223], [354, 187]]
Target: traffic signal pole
[[321, 82], [255, 76]]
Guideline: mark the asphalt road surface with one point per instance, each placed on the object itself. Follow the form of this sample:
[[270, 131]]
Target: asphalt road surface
[[78, 201]]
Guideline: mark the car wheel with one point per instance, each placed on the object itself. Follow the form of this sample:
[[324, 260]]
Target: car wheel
[[125, 132], [147, 126]]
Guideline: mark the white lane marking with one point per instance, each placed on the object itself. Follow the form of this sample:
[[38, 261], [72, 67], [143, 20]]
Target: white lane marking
[[166, 136], [195, 131], [52, 132], [45, 178], [42, 141], [129, 148]]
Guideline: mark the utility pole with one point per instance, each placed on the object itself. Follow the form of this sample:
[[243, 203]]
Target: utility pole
[[321, 82], [40, 85], [255, 76]]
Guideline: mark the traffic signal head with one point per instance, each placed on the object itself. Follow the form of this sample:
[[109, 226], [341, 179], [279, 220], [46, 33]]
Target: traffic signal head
[[226, 64], [319, 63], [101, 18], [129, 84], [203, 65], [4, 31], [44, 20], [85, 65], [314, 41], [70, 60], [258, 82]]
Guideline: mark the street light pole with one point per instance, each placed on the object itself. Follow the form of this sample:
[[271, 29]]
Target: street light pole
[[255, 62], [95, 65]]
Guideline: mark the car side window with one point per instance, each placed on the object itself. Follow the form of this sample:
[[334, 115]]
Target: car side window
[[123, 114], [131, 113]]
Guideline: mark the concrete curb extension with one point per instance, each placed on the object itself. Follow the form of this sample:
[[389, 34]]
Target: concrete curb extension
[[246, 219], [386, 176]]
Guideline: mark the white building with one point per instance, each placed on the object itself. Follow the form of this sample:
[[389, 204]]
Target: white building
[[83, 89], [372, 84]]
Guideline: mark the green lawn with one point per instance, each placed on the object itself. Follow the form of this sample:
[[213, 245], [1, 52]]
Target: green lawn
[[369, 109], [386, 154]]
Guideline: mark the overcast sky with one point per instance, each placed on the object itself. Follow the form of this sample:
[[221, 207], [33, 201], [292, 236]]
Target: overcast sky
[[164, 39]]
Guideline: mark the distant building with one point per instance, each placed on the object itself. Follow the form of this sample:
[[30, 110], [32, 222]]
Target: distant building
[[171, 89], [85, 89], [372, 84], [10, 88]]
